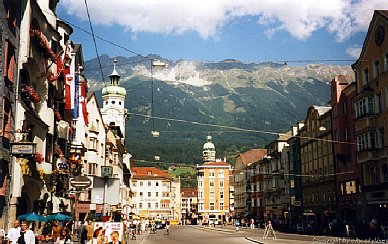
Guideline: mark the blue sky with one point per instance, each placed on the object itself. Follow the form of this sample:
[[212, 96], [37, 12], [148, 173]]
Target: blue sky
[[247, 30]]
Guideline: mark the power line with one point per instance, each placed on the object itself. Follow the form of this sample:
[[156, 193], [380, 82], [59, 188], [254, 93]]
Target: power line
[[94, 41], [239, 129]]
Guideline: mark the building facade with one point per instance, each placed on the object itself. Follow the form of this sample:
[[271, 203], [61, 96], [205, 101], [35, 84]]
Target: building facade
[[242, 198], [371, 104], [343, 90], [318, 171], [152, 193]]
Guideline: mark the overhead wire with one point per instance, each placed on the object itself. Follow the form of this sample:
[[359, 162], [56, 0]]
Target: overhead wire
[[239, 129], [94, 41], [236, 129]]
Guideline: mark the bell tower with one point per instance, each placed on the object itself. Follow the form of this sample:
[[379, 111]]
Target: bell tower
[[113, 111]]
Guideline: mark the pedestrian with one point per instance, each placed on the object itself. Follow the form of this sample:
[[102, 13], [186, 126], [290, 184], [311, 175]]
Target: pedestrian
[[80, 228], [268, 229], [14, 233], [89, 229], [252, 223], [143, 227], [26, 235], [47, 240], [56, 230], [64, 237]]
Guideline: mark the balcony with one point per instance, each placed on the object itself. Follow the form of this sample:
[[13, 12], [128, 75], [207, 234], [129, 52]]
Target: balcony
[[365, 122]]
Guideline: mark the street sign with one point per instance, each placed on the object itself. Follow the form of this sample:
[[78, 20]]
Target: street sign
[[106, 171], [80, 182], [23, 148]]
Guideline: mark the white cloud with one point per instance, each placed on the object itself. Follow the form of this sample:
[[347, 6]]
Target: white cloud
[[300, 18], [354, 51]]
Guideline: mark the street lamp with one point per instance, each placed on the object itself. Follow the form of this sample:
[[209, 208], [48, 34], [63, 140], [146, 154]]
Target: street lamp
[[106, 173]]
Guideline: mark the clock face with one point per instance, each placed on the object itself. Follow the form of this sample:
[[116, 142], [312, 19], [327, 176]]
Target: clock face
[[379, 35]]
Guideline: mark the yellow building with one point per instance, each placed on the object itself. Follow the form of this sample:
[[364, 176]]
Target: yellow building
[[213, 187]]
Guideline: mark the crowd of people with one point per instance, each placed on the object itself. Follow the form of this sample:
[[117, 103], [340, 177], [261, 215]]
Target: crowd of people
[[85, 232]]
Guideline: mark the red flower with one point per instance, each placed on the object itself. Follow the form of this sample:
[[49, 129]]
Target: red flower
[[39, 157]]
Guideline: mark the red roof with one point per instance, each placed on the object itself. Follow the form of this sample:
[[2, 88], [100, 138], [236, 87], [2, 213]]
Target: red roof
[[148, 172], [189, 192], [252, 155], [220, 163]]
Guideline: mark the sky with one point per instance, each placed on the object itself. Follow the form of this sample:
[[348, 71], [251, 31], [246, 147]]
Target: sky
[[296, 31]]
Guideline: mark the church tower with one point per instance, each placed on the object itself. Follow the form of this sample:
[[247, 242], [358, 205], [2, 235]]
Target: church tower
[[113, 111], [209, 151]]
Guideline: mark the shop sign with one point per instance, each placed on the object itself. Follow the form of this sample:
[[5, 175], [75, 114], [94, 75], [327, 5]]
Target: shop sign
[[80, 182]]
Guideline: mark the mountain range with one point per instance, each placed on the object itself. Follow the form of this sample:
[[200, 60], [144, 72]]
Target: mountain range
[[241, 105]]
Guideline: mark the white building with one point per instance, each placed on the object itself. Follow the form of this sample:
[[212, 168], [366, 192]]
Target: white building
[[153, 193]]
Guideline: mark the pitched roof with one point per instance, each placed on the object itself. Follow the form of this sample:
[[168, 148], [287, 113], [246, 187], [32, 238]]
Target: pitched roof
[[148, 172], [189, 192], [217, 163], [252, 155]]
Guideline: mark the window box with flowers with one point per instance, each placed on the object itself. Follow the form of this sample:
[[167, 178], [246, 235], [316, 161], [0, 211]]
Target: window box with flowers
[[39, 158], [29, 93]]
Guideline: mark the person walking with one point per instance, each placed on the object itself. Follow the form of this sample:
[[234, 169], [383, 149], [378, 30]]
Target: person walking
[[90, 232], [269, 228], [252, 223], [64, 237], [26, 235], [56, 230], [14, 233]]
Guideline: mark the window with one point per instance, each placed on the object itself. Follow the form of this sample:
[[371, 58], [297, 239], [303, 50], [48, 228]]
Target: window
[[346, 134], [350, 187], [149, 194], [365, 76], [220, 174], [9, 62], [221, 206], [156, 194], [384, 172], [140, 205], [343, 108], [221, 183], [93, 144], [376, 69], [149, 205], [156, 205], [211, 174], [92, 169], [373, 176], [211, 183], [134, 183], [211, 195], [386, 62], [366, 141], [379, 107], [221, 195], [212, 206], [381, 137], [149, 183], [141, 183], [156, 183], [141, 194], [364, 106]]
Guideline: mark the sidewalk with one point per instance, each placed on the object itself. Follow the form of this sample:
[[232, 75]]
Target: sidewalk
[[256, 236]]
